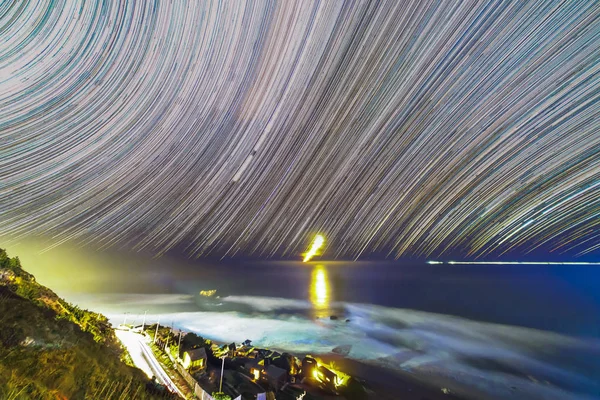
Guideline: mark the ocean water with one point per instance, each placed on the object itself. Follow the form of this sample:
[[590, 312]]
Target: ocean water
[[521, 332]]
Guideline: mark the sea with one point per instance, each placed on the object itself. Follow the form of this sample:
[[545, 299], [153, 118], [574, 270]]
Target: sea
[[508, 331]]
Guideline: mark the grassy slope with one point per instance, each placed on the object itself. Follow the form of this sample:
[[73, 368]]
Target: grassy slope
[[50, 349]]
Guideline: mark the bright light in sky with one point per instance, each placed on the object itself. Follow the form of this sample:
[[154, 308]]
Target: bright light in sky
[[314, 247]]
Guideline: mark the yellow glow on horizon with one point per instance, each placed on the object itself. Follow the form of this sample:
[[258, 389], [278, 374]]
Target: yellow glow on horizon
[[314, 248]]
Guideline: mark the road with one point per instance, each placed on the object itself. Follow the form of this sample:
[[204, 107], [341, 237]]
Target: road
[[144, 359]]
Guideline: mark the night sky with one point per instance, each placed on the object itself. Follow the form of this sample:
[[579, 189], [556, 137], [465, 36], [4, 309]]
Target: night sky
[[242, 128]]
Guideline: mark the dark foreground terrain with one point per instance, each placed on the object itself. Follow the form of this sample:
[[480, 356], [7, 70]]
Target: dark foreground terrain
[[50, 349]]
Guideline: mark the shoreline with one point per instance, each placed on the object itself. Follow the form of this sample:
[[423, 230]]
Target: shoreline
[[389, 384], [476, 378], [381, 383]]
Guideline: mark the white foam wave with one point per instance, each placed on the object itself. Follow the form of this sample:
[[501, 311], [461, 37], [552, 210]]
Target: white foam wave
[[266, 304]]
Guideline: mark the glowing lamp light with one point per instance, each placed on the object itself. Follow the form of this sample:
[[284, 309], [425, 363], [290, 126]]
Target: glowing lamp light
[[338, 381], [187, 361], [314, 247]]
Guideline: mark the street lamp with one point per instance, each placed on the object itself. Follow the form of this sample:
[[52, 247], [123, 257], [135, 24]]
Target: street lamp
[[156, 334], [144, 321], [222, 368], [179, 346]]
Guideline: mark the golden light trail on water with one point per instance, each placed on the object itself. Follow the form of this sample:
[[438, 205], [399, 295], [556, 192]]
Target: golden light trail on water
[[314, 248], [320, 291]]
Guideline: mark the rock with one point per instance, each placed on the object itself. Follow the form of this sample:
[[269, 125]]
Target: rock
[[343, 350], [333, 317]]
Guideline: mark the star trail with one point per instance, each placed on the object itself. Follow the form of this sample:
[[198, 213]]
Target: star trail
[[242, 128]]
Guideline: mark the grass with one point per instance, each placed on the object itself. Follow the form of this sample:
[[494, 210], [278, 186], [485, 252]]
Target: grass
[[50, 349]]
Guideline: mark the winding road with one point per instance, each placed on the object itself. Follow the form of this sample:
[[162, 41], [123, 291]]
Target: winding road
[[144, 358]]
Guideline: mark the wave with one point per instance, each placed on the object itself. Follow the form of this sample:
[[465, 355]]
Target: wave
[[268, 304], [518, 362]]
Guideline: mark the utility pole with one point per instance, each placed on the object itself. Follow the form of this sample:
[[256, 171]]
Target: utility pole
[[222, 368], [179, 345], [144, 321], [169, 336], [156, 334]]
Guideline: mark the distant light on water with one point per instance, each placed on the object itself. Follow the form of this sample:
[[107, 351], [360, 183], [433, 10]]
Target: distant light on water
[[514, 262]]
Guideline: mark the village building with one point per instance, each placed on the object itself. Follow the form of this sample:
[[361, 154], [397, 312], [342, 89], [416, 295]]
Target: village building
[[276, 376], [195, 360], [327, 378], [309, 367], [246, 352], [256, 368]]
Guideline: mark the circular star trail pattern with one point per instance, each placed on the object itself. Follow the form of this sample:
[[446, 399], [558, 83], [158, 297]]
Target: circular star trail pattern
[[242, 128]]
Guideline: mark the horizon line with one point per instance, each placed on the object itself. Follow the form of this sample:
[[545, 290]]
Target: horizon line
[[515, 262]]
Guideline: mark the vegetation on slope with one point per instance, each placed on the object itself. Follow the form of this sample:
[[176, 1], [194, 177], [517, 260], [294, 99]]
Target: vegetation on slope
[[50, 349]]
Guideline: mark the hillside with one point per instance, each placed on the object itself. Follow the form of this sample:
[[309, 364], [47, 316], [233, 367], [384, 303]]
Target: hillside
[[50, 349]]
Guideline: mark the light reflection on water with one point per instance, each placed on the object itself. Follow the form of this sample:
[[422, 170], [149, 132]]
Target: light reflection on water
[[320, 292]]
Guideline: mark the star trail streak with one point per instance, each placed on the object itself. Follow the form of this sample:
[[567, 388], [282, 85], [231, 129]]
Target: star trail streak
[[230, 128]]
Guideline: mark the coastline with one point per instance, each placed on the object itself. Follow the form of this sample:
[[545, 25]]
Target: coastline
[[386, 381], [381, 383], [388, 384]]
